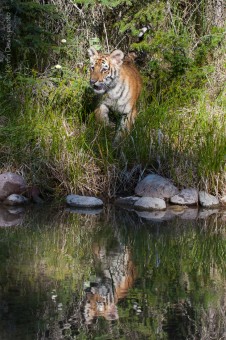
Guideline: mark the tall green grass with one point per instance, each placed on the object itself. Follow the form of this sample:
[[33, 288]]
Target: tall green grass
[[183, 136], [50, 139], [47, 127]]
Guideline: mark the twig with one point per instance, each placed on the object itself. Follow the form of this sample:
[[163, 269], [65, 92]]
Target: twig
[[192, 12], [171, 16], [105, 31], [74, 5], [125, 36]]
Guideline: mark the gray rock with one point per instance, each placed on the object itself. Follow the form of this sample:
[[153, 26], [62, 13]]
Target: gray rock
[[185, 197], [155, 186], [15, 199], [84, 201], [207, 200], [126, 201], [11, 183], [150, 203], [223, 200]]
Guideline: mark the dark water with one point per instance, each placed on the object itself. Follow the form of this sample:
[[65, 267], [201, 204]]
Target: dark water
[[112, 275]]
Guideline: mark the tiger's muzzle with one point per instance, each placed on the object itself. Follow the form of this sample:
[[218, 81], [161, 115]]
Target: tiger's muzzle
[[97, 86]]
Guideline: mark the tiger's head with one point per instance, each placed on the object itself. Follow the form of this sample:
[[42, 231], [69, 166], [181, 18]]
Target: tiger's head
[[104, 69]]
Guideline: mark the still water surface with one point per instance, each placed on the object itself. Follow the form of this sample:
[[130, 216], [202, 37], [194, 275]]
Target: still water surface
[[111, 275]]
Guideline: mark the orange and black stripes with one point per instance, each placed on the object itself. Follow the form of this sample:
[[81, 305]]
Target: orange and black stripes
[[121, 82]]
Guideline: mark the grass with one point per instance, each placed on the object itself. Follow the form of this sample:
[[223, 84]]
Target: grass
[[184, 134], [49, 135], [50, 144], [58, 146]]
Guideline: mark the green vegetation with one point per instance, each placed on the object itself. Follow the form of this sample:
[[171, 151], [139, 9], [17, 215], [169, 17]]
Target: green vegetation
[[47, 129]]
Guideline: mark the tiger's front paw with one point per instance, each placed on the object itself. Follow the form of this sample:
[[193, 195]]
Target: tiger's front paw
[[101, 115], [118, 139]]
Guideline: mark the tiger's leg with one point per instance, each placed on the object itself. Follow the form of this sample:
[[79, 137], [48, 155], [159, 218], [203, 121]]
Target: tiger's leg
[[126, 124], [101, 114]]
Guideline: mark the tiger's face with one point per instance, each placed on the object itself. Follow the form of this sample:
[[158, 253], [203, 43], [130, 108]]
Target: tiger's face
[[104, 69]]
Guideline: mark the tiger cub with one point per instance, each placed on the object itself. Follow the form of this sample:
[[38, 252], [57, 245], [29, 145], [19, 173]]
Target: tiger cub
[[119, 79]]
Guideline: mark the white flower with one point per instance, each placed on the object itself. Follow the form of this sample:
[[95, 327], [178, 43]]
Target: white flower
[[58, 66], [64, 41]]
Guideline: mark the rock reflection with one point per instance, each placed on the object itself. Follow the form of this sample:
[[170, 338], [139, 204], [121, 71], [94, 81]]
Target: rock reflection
[[12, 216], [87, 211]]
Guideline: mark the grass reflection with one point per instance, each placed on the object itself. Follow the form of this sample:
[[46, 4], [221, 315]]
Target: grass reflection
[[165, 280], [44, 261], [181, 270]]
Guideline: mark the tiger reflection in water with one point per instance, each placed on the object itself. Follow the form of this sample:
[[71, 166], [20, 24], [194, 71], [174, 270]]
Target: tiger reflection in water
[[118, 276]]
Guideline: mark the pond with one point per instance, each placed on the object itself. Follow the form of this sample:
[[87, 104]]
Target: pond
[[111, 274]]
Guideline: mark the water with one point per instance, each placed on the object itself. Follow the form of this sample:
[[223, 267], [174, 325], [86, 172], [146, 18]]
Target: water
[[112, 275]]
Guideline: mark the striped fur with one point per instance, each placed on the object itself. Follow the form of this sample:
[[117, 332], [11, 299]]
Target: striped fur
[[118, 274], [118, 78]]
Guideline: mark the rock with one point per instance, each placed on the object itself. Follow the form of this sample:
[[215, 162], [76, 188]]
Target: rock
[[150, 203], [15, 199], [11, 183], [84, 201], [155, 186], [126, 201], [223, 200], [207, 200], [185, 197], [37, 199], [34, 194]]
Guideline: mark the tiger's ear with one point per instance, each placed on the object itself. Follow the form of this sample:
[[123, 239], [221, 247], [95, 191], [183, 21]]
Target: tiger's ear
[[117, 57], [92, 52]]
